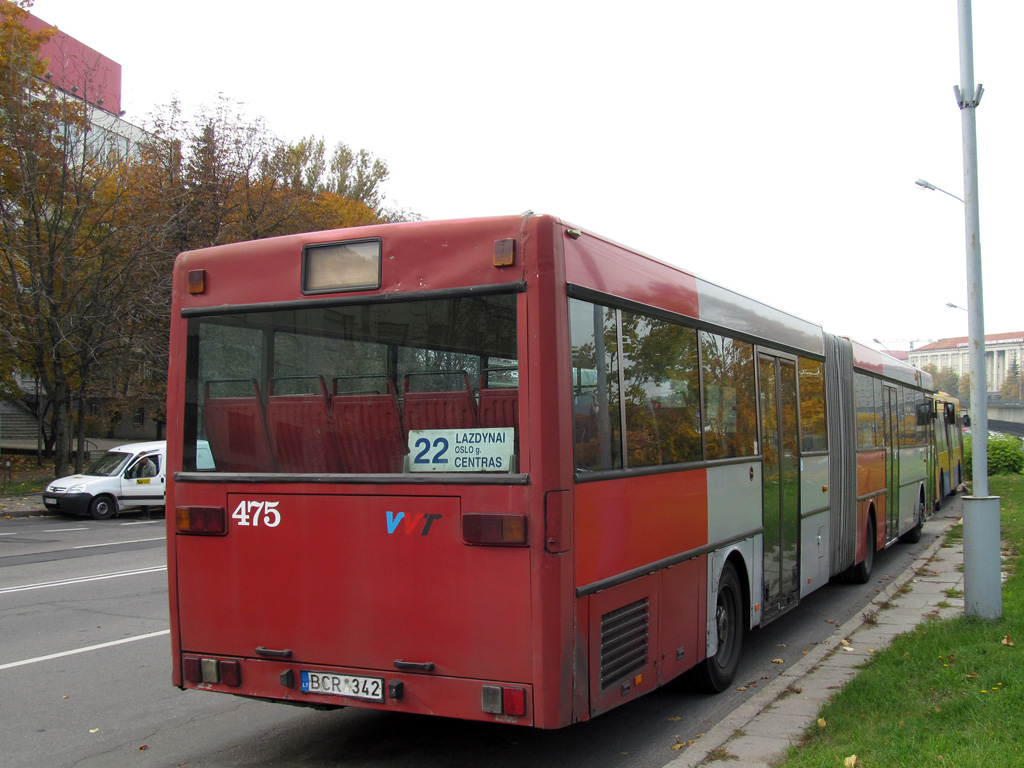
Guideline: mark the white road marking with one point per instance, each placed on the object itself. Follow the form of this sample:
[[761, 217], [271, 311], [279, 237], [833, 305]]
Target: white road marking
[[83, 650], [83, 579], [62, 530], [115, 543]]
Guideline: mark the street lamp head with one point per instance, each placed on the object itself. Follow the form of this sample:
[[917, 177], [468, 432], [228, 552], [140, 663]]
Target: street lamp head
[[928, 185]]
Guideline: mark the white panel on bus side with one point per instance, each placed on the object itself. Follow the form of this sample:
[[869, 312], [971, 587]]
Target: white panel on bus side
[[814, 523], [734, 501], [814, 561]]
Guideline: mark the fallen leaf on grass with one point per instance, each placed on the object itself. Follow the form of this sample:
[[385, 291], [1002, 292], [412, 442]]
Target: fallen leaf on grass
[[1008, 641], [850, 762], [821, 722]]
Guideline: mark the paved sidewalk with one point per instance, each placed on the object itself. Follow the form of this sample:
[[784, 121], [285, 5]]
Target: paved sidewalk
[[763, 728], [22, 505]]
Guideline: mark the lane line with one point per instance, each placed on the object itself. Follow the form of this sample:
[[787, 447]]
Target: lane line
[[144, 522], [62, 530], [117, 543], [62, 654], [83, 579]]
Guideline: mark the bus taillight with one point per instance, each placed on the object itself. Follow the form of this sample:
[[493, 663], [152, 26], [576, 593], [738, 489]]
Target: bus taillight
[[206, 521], [499, 700], [217, 671], [494, 530]]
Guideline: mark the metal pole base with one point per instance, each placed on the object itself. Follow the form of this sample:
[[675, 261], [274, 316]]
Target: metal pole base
[[983, 595]]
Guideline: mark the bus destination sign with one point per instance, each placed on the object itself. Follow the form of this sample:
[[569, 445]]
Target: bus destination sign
[[461, 450]]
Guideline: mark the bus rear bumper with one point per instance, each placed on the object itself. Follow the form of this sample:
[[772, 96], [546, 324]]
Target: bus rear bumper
[[417, 693]]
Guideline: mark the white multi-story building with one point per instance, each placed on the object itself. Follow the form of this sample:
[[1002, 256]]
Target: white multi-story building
[[1004, 353]]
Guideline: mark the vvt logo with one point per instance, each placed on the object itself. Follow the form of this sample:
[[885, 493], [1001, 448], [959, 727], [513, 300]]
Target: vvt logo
[[414, 522]]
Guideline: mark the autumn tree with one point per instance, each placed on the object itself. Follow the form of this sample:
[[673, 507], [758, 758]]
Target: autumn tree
[[76, 246], [236, 180], [1013, 387], [947, 380]]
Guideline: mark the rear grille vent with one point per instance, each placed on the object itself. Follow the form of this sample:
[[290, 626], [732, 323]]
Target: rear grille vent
[[625, 634]]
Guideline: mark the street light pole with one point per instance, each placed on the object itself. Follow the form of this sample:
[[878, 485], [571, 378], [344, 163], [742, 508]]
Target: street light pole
[[982, 582]]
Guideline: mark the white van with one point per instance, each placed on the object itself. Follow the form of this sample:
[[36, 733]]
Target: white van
[[127, 477]]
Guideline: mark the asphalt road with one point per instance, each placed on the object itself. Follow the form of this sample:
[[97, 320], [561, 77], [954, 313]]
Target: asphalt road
[[85, 676]]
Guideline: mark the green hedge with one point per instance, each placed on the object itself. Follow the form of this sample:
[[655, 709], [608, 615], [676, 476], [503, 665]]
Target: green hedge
[[1005, 455]]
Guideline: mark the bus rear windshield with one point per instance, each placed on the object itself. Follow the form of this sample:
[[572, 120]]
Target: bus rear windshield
[[414, 386]]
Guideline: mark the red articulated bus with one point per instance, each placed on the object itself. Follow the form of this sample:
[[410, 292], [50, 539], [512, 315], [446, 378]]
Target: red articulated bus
[[506, 470]]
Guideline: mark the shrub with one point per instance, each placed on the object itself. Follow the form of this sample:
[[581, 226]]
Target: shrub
[[1005, 455]]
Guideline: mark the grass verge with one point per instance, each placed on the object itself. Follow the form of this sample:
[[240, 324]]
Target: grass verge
[[947, 693]]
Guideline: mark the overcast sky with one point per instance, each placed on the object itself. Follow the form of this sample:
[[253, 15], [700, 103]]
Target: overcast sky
[[769, 147]]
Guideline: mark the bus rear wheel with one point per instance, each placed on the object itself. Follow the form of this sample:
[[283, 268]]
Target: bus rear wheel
[[914, 534], [862, 570], [716, 674]]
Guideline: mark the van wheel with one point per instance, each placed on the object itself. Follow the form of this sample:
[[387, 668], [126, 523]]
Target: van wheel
[[716, 674], [102, 508]]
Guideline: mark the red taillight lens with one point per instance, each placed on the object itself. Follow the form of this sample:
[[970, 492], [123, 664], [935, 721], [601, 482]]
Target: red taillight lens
[[231, 672], [494, 530], [514, 701], [191, 669], [207, 521]]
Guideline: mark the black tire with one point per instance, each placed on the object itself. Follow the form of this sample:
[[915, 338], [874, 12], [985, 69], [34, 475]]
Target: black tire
[[715, 674], [862, 570], [103, 507], [914, 534]]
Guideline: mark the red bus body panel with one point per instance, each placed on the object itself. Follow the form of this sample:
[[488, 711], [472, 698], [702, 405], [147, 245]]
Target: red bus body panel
[[370, 580]]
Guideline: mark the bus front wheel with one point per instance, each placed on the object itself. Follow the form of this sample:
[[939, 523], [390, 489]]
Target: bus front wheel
[[716, 674]]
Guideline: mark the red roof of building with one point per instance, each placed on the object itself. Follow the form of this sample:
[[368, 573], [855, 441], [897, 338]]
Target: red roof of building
[[961, 341]]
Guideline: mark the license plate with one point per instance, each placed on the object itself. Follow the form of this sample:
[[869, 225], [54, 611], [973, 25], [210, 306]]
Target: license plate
[[366, 688]]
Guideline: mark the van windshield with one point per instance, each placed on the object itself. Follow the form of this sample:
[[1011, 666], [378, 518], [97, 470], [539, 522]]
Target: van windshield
[[109, 464]]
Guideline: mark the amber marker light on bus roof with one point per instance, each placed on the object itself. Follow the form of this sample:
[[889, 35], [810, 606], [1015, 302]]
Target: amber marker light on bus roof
[[494, 530], [504, 253], [204, 521], [347, 266], [197, 281]]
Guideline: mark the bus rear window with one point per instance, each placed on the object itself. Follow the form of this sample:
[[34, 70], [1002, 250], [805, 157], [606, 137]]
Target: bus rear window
[[379, 388]]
